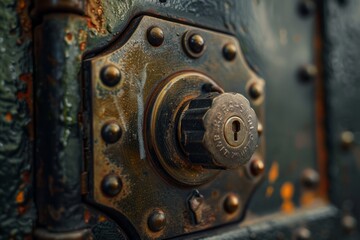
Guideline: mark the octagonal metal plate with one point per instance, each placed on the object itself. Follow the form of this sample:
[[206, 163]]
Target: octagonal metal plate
[[143, 67]]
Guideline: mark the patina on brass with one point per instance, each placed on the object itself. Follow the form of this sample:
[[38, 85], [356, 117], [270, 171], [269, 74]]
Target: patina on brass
[[156, 84], [164, 114]]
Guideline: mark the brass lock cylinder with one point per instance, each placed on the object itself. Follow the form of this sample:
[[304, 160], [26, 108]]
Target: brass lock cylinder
[[219, 130]]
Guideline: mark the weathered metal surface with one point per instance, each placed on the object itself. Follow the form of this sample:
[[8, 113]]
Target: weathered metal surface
[[320, 224], [146, 70], [17, 211], [42, 7], [277, 39], [58, 41], [342, 53]]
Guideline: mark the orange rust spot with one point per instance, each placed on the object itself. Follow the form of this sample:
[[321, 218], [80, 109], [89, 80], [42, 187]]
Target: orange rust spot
[[87, 216], [307, 198], [82, 46], [24, 19], [287, 192], [269, 191], [21, 4], [101, 218], [96, 20], [82, 39], [68, 37], [20, 197], [287, 207], [8, 117], [273, 172]]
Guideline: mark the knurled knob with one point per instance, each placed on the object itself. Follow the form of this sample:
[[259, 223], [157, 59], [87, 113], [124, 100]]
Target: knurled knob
[[219, 130]]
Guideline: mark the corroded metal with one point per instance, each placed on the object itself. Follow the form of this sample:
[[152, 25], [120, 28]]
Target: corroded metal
[[148, 75], [59, 141], [157, 220]]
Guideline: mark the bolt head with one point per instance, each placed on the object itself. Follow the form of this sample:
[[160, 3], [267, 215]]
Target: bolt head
[[307, 73], [257, 167], [196, 43], [229, 51], [155, 36], [231, 203], [111, 132], [347, 139], [110, 75], [306, 7], [302, 234], [157, 220], [111, 185], [349, 223], [256, 90], [310, 178]]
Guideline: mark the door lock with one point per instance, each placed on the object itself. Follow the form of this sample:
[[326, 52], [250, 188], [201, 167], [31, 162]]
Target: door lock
[[219, 130], [169, 118]]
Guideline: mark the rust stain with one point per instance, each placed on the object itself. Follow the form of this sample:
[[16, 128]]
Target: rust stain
[[27, 96], [8, 117], [274, 172], [287, 192], [269, 191], [69, 38], [101, 218], [87, 216], [82, 39], [24, 19], [95, 12], [307, 198], [320, 110], [20, 197]]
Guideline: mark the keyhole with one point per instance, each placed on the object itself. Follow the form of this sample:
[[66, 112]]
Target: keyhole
[[236, 129]]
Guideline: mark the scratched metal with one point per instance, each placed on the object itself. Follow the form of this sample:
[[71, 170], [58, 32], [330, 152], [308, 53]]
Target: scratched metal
[[143, 68]]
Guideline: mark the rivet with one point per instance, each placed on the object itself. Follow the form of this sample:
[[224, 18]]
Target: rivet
[[348, 223], [257, 167], [110, 75], [155, 36], [255, 90], [157, 220], [310, 178], [111, 185], [111, 132], [229, 51], [231, 203], [306, 7], [196, 43], [307, 73], [347, 139], [302, 234]]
